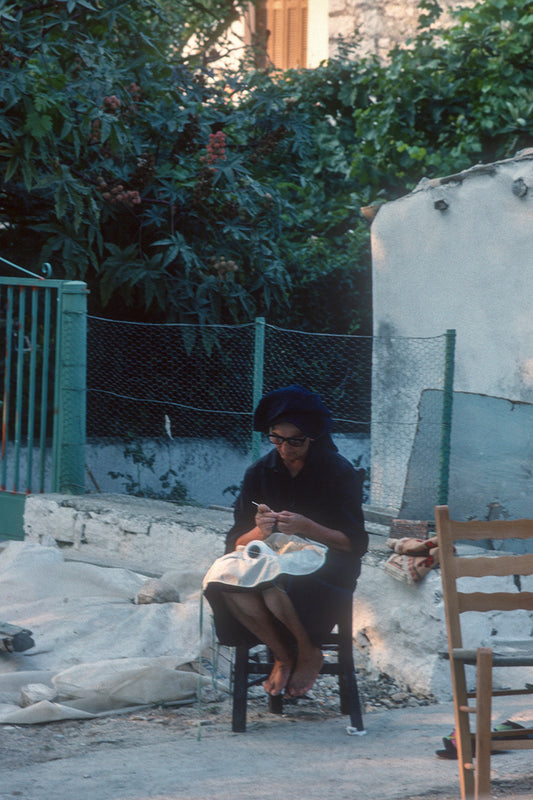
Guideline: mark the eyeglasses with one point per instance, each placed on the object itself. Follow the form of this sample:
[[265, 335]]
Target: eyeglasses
[[292, 441]]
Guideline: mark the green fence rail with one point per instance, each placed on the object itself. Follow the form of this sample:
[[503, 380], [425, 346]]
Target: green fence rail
[[43, 326], [447, 414]]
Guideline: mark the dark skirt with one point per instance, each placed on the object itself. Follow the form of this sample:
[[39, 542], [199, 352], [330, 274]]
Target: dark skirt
[[315, 598]]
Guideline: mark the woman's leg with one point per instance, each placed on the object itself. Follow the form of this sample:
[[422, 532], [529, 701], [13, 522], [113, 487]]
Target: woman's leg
[[309, 656], [250, 610]]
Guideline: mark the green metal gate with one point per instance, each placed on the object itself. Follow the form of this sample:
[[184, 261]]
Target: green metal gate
[[43, 326]]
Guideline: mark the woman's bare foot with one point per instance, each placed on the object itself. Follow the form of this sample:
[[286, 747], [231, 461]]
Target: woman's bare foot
[[278, 678], [305, 673]]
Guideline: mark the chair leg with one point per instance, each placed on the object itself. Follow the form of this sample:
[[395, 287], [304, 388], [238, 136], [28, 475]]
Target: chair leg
[[483, 720], [462, 728], [348, 689], [240, 688]]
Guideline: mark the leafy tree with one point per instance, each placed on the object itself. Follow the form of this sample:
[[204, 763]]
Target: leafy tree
[[173, 192], [181, 193]]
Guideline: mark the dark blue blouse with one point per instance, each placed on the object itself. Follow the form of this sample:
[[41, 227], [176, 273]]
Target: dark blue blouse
[[327, 490]]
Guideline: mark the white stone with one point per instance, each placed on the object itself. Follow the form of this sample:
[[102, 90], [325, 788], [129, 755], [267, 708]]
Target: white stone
[[157, 591], [34, 693]]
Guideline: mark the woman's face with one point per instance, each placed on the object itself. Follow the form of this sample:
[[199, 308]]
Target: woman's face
[[289, 452]]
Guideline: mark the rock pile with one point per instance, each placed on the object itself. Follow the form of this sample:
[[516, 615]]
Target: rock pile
[[377, 692]]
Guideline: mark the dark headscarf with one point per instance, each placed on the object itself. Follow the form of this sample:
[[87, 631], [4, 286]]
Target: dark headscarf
[[296, 405]]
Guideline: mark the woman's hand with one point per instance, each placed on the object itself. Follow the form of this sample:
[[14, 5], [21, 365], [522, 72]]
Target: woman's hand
[[265, 522], [298, 525], [292, 524], [265, 519]]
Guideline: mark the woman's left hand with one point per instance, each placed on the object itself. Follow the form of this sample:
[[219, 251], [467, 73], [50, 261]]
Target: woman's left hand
[[292, 524], [298, 525]]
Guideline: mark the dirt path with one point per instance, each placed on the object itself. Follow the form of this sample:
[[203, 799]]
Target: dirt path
[[186, 753]]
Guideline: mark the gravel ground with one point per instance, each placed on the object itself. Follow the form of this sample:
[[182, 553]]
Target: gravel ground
[[25, 746]]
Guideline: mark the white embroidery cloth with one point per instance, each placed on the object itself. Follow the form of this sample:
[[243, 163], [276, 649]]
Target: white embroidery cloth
[[261, 562]]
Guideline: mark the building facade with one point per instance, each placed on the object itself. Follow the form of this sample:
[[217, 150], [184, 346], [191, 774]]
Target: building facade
[[302, 33]]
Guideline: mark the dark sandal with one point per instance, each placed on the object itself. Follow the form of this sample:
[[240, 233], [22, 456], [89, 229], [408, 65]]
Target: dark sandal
[[450, 742]]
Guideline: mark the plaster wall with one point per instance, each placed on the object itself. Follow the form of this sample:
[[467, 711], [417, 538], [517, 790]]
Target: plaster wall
[[467, 267], [210, 470], [317, 33], [457, 253]]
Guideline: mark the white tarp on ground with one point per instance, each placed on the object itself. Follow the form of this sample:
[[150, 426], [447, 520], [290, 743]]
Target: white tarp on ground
[[95, 647]]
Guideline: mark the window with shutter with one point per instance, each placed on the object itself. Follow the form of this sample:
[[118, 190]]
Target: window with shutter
[[286, 22]]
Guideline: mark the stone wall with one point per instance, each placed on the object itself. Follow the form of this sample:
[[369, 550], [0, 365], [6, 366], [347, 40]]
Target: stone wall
[[381, 24], [150, 536]]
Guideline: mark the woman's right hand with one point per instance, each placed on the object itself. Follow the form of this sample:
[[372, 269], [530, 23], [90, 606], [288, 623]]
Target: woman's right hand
[[265, 519]]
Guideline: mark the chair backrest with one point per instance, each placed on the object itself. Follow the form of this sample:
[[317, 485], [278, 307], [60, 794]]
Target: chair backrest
[[454, 567]]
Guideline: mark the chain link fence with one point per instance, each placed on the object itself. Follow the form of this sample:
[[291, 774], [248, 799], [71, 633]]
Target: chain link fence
[[169, 407], [412, 386]]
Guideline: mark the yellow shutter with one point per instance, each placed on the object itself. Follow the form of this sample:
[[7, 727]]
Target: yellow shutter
[[287, 23], [275, 25]]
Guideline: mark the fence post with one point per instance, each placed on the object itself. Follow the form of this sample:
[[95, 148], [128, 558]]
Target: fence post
[[446, 429], [68, 459], [259, 361]]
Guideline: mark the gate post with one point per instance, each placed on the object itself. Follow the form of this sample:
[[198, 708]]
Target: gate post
[[68, 457], [259, 363], [446, 428]]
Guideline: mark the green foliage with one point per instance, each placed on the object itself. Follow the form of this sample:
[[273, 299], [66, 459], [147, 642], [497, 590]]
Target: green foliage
[[457, 96], [176, 194], [183, 194]]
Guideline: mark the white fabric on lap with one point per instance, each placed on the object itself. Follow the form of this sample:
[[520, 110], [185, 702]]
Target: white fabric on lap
[[260, 562]]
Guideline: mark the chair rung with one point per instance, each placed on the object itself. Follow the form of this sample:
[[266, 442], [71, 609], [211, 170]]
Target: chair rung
[[256, 682], [504, 692], [260, 669], [468, 709]]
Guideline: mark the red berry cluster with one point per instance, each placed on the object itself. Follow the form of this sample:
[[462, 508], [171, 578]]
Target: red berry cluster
[[216, 149], [224, 269], [96, 131], [111, 104], [118, 194], [135, 94]]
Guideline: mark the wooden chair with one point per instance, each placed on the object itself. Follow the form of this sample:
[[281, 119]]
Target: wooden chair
[[474, 771], [248, 663]]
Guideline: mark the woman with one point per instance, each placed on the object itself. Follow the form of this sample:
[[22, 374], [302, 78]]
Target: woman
[[303, 488]]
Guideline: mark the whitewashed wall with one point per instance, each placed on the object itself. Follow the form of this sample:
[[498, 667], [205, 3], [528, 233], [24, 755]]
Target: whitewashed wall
[[205, 467], [458, 253], [398, 629]]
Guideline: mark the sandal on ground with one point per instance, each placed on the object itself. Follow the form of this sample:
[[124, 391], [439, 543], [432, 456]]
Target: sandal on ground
[[450, 742]]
